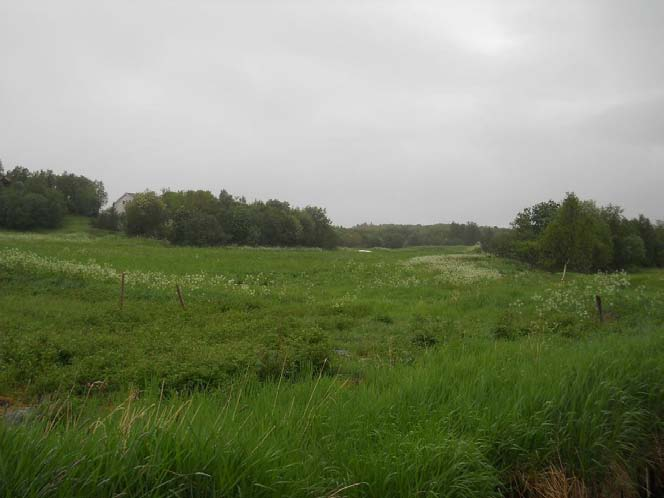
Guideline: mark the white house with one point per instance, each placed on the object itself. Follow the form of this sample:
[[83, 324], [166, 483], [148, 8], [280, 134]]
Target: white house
[[120, 204]]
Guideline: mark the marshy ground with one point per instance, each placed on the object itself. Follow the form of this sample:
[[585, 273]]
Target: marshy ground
[[414, 372]]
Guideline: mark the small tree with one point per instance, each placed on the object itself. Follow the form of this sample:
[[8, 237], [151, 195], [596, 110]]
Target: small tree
[[531, 222], [578, 236], [659, 235], [82, 195], [146, 215], [633, 251], [192, 227], [108, 220], [646, 231], [323, 232], [21, 209]]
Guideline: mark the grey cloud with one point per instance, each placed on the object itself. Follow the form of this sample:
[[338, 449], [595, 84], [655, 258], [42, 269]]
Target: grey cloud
[[388, 111]]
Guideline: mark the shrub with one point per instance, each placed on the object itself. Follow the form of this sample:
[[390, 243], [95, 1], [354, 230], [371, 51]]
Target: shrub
[[290, 355], [197, 229], [40, 199], [581, 236], [22, 210], [577, 236], [146, 215], [424, 340], [632, 251], [108, 220], [529, 251]]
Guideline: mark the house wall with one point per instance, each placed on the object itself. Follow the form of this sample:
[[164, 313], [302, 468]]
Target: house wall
[[120, 204]]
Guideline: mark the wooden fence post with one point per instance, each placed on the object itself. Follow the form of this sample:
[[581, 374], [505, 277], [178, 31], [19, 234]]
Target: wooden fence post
[[180, 298], [600, 311], [122, 290]]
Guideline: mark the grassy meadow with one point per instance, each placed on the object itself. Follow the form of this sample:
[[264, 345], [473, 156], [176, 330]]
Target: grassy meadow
[[298, 372]]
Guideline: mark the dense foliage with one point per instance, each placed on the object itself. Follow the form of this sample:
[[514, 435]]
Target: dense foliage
[[40, 199], [199, 218], [398, 236], [581, 236]]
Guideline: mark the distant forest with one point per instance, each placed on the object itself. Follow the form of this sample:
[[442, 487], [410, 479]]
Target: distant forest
[[582, 236], [397, 236], [574, 233], [202, 219]]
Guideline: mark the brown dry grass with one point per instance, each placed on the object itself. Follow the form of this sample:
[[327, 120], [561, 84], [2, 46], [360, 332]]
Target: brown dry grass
[[555, 482]]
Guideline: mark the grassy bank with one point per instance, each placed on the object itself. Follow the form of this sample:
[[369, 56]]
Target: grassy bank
[[472, 419]]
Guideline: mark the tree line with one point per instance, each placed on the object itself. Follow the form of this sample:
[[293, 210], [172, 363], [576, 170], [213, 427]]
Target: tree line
[[398, 236], [575, 233], [581, 235], [202, 219], [41, 199]]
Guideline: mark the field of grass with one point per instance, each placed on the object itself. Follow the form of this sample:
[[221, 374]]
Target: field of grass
[[415, 372]]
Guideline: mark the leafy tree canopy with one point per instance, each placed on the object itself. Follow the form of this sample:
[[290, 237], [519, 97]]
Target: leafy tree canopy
[[582, 236], [40, 199]]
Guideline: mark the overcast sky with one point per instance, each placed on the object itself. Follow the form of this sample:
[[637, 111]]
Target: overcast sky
[[405, 111]]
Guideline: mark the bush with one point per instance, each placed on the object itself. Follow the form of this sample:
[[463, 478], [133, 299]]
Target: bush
[[578, 236], [528, 251], [21, 210], [40, 199], [146, 215], [509, 327], [197, 229], [291, 355], [83, 196], [424, 340], [108, 220], [201, 219], [632, 251]]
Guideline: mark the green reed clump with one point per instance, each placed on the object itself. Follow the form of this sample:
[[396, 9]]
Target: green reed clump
[[469, 419]]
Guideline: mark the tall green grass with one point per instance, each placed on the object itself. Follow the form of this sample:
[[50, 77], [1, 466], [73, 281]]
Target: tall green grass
[[311, 373], [474, 418]]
